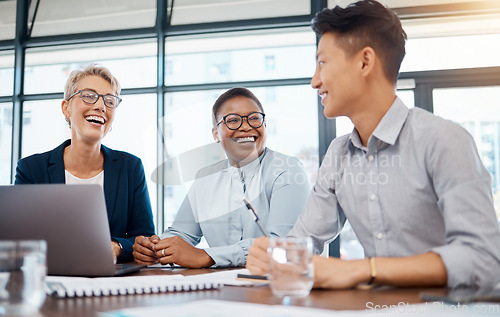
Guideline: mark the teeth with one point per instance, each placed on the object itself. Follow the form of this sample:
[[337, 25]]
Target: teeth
[[95, 119], [246, 139]]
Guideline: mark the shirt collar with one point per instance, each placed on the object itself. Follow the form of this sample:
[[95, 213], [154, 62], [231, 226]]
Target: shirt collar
[[250, 169], [388, 128], [392, 123]]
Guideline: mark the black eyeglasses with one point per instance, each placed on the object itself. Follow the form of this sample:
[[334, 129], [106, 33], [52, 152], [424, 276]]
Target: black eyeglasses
[[91, 97], [233, 121]]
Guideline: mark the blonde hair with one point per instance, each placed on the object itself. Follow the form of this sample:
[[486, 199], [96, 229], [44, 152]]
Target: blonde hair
[[90, 70]]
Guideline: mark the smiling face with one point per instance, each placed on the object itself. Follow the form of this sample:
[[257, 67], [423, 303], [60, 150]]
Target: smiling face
[[245, 144], [89, 122], [337, 78]]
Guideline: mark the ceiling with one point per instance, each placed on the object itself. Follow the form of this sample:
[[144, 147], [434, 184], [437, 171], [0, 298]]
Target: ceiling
[[421, 18], [433, 18]]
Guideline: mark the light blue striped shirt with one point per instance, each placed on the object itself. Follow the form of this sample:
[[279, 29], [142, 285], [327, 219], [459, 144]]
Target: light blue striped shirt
[[418, 186]]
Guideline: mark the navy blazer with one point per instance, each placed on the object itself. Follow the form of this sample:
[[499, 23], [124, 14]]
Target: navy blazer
[[125, 190]]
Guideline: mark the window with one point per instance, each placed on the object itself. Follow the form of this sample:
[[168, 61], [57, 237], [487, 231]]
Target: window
[[6, 72], [476, 109], [244, 56], [270, 63], [46, 127], [73, 16], [453, 52], [132, 62], [200, 11], [7, 20], [5, 141]]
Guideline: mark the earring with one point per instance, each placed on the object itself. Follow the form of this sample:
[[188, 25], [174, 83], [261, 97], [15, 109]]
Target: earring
[[68, 121]]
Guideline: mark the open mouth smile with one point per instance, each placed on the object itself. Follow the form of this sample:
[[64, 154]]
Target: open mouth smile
[[248, 139], [323, 96], [95, 119]]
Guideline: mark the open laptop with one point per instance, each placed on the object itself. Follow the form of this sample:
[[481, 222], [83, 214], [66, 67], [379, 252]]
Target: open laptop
[[71, 218]]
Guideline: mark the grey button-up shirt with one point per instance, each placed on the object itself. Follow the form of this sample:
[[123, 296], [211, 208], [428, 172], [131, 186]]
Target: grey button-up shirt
[[418, 186], [276, 185]]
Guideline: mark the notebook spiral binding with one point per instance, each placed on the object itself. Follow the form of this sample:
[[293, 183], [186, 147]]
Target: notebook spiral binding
[[62, 287]]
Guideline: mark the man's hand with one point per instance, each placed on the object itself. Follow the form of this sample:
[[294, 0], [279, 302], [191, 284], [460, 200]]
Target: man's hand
[[340, 274], [258, 259], [423, 270], [144, 250], [176, 250]]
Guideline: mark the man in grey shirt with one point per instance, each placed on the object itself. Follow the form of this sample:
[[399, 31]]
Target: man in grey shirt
[[411, 184]]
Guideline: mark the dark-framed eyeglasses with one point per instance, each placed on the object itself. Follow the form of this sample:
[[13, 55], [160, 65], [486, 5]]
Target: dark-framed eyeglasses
[[90, 97], [233, 121]]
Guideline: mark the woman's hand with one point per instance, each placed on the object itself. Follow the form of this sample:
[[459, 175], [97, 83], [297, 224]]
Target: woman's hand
[[176, 250], [145, 250], [117, 250]]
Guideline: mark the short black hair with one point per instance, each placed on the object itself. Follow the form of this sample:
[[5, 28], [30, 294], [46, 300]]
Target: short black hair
[[230, 94], [366, 23]]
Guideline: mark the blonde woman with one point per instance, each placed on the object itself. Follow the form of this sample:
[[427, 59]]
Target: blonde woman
[[91, 98]]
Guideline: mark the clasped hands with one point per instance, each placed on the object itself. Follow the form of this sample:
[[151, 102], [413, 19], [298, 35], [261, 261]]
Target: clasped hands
[[173, 250]]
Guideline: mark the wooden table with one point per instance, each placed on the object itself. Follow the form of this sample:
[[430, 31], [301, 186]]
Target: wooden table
[[326, 299]]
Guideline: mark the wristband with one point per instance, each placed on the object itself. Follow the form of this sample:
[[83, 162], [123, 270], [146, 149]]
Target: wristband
[[373, 271]]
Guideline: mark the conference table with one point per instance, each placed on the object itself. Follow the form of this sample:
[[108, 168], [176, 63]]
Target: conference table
[[351, 299]]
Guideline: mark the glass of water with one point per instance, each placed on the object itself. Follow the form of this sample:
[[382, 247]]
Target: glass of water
[[22, 276], [291, 270]]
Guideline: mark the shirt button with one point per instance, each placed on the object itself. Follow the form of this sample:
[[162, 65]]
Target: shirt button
[[373, 197], [370, 158], [380, 235]]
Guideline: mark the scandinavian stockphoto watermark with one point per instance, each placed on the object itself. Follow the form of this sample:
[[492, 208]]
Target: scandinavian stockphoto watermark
[[359, 169], [336, 170], [433, 307]]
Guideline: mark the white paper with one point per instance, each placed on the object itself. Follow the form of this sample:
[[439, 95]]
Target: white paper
[[218, 308], [227, 277]]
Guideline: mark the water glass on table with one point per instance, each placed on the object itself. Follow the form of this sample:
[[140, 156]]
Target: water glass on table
[[291, 270], [22, 277]]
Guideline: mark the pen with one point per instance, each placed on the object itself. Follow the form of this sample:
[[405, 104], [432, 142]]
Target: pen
[[249, 206], [252, 277]]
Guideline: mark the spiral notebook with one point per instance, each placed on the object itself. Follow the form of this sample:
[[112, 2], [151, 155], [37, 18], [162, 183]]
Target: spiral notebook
[[68, 286]]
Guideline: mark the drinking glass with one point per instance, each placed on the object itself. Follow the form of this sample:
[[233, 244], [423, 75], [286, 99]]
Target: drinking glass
[[22, 276], [291, 270]]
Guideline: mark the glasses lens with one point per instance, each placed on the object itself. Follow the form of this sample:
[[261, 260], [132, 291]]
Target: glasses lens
[[255, 120], [233, 121], [89, 96], [111, 101]]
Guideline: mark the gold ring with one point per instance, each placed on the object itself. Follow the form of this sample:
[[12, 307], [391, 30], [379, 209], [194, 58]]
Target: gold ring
[[163, 252]]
